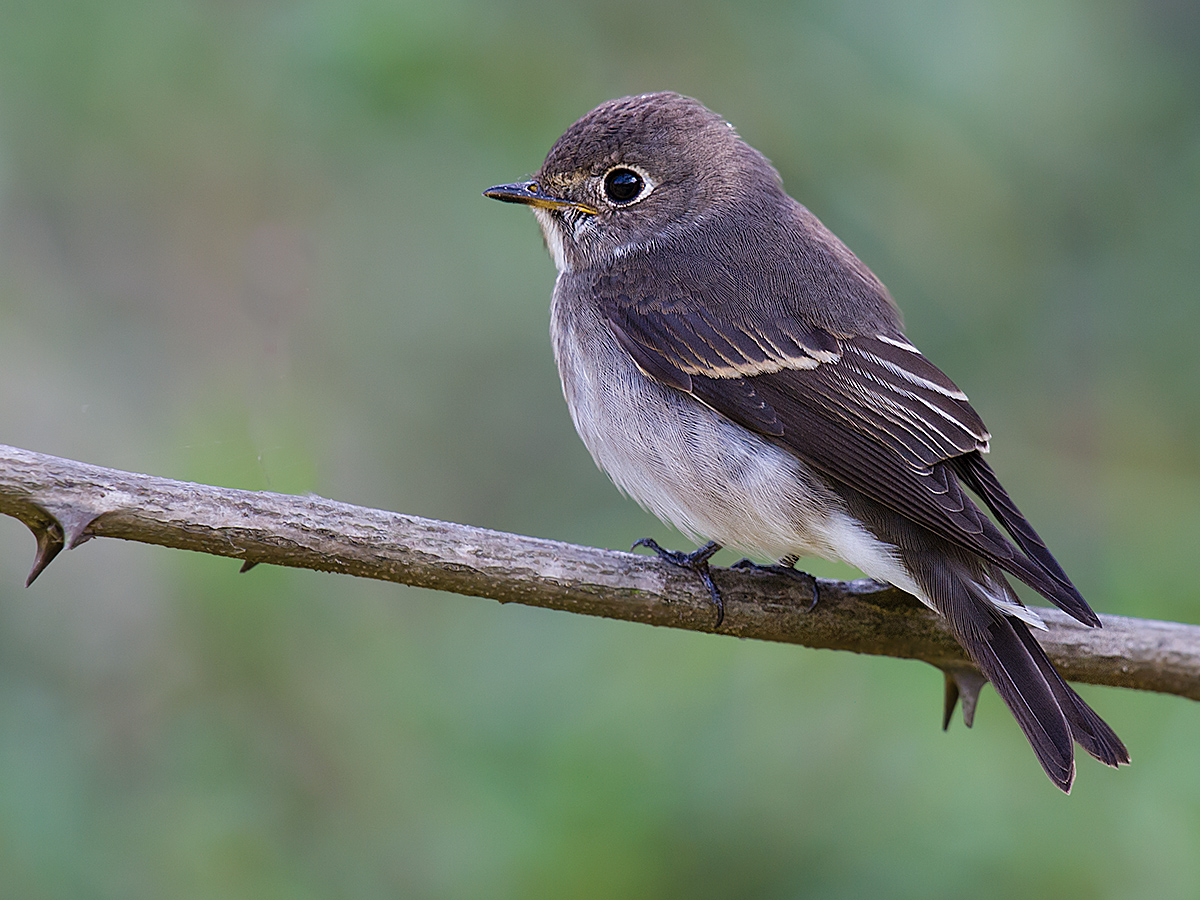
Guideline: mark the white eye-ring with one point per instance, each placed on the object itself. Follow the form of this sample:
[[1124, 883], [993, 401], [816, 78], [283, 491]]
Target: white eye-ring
[[625, 185]]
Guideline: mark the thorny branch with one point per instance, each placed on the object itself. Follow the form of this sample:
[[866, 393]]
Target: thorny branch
[[64, 503]]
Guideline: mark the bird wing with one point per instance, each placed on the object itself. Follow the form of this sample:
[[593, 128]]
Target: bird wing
[[865, 409]]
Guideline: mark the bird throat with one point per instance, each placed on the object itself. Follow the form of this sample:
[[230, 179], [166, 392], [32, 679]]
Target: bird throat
[[552, 226]]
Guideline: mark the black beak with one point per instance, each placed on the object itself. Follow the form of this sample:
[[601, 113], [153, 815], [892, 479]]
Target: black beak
[[530, 193]]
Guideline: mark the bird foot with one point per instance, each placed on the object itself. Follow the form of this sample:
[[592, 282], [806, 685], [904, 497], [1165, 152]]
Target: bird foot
[[784, 567], [696, 561]]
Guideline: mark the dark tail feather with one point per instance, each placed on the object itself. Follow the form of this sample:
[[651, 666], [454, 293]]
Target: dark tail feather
[[1090, 731], [963, 587], [977, 475], [991, 639]]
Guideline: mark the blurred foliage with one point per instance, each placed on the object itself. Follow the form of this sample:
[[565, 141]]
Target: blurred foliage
[[243, 243]]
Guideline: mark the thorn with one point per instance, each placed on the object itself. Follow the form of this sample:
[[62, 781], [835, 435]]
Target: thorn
[[247, 565], [75, 527], [49, 543], [67, 527], [73, 521], [962, 682], [950, 700]]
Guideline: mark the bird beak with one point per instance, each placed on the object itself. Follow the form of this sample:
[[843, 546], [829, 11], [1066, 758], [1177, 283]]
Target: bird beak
[[531, 194]]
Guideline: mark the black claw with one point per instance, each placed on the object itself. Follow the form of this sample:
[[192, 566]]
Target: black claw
[[696, 561], [247, 565], [784, 567]]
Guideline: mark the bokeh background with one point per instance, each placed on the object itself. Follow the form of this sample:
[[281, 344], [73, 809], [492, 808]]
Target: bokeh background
[[243, 243]]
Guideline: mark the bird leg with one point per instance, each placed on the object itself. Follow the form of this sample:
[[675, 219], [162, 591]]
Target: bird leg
[[784, 567], [696, 561]]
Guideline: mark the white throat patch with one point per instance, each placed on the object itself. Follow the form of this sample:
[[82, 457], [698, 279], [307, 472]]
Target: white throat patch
[[552, 231]]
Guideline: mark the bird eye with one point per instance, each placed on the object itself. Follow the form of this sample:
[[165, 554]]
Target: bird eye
[[623, 185]]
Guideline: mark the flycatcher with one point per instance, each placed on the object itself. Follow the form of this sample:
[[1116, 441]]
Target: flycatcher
[[739, 372]]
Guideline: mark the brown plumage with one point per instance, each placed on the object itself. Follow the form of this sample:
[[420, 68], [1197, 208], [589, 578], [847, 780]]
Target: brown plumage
[[738, 371]]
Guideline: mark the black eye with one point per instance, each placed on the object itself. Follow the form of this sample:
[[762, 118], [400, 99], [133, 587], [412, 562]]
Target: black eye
[[623, 185]]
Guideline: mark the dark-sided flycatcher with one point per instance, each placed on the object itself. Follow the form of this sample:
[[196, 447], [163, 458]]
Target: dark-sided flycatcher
[[740, 373]]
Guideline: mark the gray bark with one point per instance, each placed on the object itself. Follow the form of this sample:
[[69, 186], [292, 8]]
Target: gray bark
[[65, 503]]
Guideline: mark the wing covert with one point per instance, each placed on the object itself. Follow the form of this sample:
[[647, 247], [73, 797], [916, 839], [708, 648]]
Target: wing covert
[[866, 409]]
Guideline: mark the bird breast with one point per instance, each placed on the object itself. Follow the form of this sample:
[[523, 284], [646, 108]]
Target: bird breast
[[678, 458]]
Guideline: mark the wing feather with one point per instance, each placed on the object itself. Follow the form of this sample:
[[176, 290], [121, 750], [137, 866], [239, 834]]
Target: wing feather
[[866, 409]]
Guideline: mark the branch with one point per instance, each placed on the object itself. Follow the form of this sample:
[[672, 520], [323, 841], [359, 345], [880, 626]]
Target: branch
[[65, 503]]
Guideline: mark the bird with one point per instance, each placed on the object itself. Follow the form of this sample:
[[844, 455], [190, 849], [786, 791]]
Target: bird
[[739, 372]]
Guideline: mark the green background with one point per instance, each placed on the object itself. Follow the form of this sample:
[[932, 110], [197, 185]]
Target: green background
[[244, 243]]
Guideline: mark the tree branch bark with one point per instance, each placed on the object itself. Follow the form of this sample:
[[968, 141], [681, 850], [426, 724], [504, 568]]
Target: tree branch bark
[[65, 503]]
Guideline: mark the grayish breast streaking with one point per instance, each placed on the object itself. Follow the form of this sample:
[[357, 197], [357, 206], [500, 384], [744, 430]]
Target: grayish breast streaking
[[739, 372]]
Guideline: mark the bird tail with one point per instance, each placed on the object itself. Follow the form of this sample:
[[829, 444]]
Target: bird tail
[[1052, 716]]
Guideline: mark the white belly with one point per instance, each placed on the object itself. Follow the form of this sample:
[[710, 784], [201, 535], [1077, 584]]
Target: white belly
[[695, 469]]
